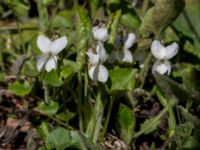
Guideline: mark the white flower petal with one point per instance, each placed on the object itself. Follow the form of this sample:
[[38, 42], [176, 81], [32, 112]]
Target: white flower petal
[[100, 34], [101, 51], [158, 50], [41, 62], [93, 58], [92, 72], [124, 55], [102, 73], [171, 50], [58, 45], [43, 43], [129, 41], [162, 67], [127, 56], [51, 63]]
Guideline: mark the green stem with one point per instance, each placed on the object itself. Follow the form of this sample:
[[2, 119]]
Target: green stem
[[21, 38], [145, 6], [145, 69], [16, 29], [46, 93], [107, 120], [79, 104]]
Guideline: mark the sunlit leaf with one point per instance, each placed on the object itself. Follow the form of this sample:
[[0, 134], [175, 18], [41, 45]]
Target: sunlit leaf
[[53, 79], [20, 89], [130, 19], [62, 19], [122, 79], [113, 26], [43, 130], [67, 71], [49, 109], [65, 116]]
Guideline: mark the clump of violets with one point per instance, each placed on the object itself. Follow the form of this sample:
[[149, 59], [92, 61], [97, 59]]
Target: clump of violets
[[97, 71], [123, 54], [50, 50], [163, 55]]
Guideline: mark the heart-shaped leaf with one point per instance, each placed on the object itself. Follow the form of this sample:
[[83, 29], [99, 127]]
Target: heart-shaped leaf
[[122, 79], [49, 109], [20, 89]]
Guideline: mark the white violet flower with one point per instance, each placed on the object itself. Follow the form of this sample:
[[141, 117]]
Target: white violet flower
[[100, 33], [50, 49], [97, 71], [163, 54], [125, 54]]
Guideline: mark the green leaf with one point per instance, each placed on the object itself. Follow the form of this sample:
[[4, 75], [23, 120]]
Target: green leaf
[[122, 79], [125, 123], [52, 78], [161, 16], [130, 19], [62, 19], [20, 89], [18, 7], [65, 116], [84, 36], [188, 116], [43, 130], [29, 68], [185, 130], [149, 125], [79, 141], [67, 71], [42, 148], [49, 109], [94, 125], [190, 76], [113, 26], [192, 143], [58, 139], [169, 87]]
